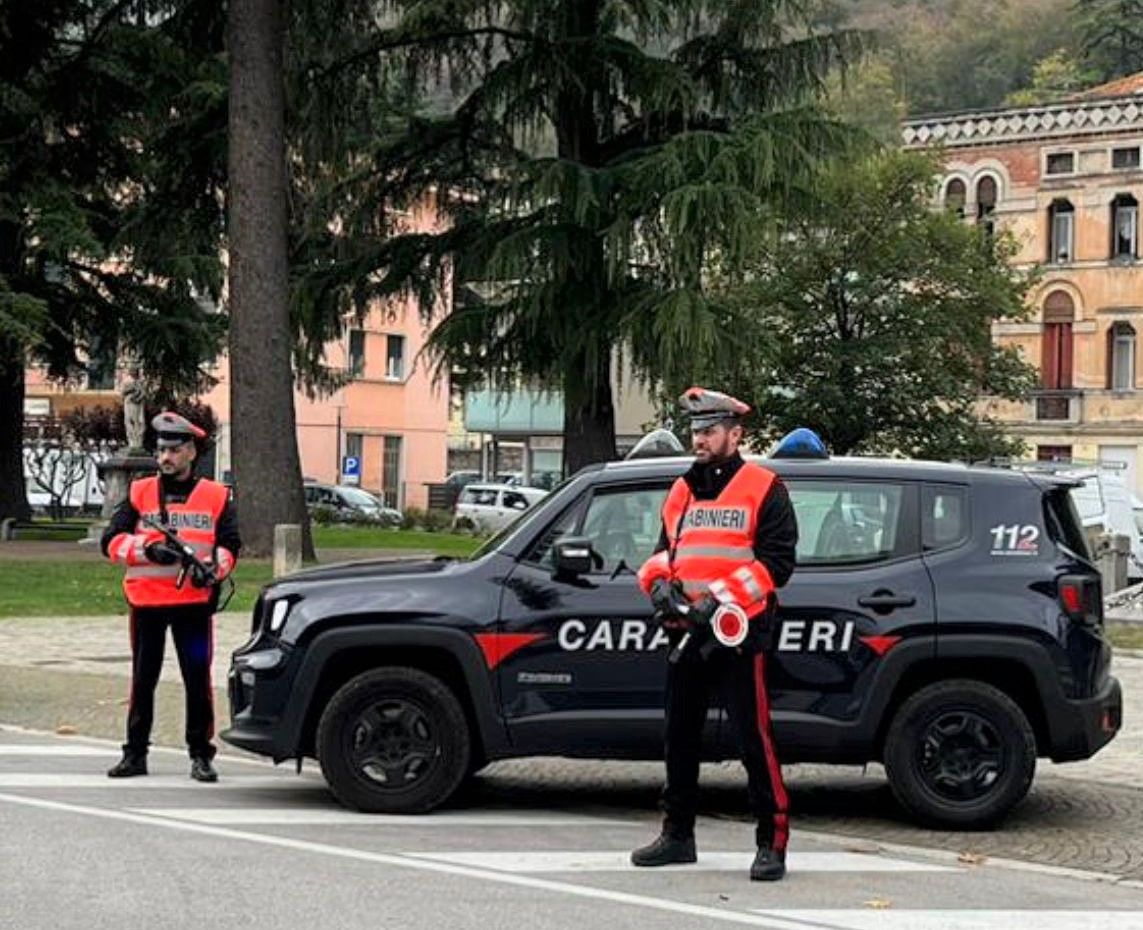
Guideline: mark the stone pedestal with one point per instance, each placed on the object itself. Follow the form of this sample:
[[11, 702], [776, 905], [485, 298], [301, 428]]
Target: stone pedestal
[[118, 473]]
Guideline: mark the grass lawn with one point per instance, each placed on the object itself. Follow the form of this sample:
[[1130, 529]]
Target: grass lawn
[[86, 587], [367, 537], [46, 588]]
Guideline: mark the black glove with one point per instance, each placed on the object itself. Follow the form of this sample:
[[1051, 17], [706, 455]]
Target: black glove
[[666, 596], [703, 609], [199, 576], [160, 553]]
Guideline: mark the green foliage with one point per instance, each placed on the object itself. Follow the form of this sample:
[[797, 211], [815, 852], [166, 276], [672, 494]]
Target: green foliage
[[1055, 77], [108, 225], [1112, 32], [869, 320]]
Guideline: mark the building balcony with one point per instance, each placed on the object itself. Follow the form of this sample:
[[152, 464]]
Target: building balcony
[[1076, 410], [1061, 406]]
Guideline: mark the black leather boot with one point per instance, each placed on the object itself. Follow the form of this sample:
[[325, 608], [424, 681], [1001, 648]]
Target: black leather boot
[[769, 865], [202, 770], [666, 850], [128, 767]]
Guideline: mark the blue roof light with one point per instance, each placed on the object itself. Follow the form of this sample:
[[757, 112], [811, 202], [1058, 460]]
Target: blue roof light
[[801, 443]]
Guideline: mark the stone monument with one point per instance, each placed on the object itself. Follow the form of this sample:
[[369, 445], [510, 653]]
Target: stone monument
[[133, 461]]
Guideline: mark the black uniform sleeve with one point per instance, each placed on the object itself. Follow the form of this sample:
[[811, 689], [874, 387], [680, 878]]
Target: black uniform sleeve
[[227, 532], [776, 538], [123, 520]]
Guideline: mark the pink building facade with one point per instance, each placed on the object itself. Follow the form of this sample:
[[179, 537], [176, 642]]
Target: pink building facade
[[391, 416]]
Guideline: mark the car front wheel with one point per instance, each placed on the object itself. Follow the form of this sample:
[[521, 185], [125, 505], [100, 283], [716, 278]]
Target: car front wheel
[[393, 740], [960, 754]]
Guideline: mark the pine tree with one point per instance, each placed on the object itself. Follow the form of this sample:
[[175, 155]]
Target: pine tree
[[595, 160], [88, 92]]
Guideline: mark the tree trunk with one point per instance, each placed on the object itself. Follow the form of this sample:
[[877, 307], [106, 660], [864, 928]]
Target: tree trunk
[[13, 495], [589, 417], [267, 470]]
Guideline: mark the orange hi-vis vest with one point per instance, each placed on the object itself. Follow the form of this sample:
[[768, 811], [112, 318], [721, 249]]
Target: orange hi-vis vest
[[710, 544], [147, 584]]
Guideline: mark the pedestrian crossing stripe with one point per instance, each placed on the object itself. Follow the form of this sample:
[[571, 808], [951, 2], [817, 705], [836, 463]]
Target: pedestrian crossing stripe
[[904, 919], [294, 816], [64, 749], [620, 861], [37, 780]]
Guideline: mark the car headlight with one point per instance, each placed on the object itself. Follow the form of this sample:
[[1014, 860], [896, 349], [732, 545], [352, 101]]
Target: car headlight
[[278, 614]]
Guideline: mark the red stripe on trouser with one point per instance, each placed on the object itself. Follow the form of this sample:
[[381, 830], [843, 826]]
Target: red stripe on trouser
[[777, 786], [210, 673]]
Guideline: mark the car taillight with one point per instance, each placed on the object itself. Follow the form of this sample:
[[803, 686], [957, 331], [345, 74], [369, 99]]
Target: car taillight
[[1080, 598]]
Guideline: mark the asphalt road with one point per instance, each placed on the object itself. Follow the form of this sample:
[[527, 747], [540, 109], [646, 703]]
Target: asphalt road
[[266, 847]]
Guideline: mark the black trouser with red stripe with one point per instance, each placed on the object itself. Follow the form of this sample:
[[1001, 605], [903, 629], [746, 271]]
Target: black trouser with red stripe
[[192, 629], [740, 680]]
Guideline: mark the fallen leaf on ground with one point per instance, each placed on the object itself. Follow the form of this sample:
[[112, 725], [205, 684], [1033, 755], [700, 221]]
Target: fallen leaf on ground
[[66, 729], [971, 858], [878, 904]]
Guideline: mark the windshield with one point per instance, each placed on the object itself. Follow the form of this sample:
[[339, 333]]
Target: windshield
[[358, 497]]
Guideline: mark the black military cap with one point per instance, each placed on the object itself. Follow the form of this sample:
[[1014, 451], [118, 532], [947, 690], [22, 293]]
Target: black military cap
[[173, 430], [706, 407]]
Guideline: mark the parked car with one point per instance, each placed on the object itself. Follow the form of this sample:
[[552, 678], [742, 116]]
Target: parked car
[[945, 620], [349, 501], [491, 507]]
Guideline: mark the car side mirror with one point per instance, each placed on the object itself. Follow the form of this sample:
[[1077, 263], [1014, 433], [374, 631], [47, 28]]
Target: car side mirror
[[573, 555]]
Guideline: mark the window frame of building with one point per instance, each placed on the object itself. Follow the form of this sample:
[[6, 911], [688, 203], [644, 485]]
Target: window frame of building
[[986, 201], [1124, 250], [1058, 210], [955, 203], [1058, 349], [355, 353], [1128, 151], [394, 372], [391, 461], [1121, 347], [1069, 154], [1053, 453]]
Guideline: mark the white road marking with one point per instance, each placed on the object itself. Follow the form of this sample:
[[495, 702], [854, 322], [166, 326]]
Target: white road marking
[[62, 749], [406, 862], [893, 919], [85, 780], [619, 861], [301, 817]]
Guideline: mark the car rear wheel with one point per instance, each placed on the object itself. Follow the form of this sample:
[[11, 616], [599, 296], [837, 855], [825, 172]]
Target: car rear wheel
[[960, 754], [393, 740]]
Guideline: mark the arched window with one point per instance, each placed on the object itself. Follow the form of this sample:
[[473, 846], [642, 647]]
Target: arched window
[[1061, 231], [955, 195], [1124, 227], [1121, 357], [1056, 364], [985, 196]]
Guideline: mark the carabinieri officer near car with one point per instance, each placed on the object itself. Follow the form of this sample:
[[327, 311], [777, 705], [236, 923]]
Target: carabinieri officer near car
[[728, 543]]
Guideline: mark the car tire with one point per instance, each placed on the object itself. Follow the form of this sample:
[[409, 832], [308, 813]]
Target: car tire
[[960, 754], [394, 741]]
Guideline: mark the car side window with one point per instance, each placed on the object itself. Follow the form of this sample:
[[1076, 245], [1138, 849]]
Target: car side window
[[515, 501], [944, 516], [624, 525], [846, 522]]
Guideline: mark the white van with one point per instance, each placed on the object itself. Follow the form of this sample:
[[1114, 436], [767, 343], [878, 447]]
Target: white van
[[1106, 505]]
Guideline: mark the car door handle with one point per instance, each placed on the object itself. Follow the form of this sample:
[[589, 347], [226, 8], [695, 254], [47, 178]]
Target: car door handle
[[886, 600]]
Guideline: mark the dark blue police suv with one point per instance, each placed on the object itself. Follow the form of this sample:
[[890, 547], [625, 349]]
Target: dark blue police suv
[[944, 620]]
